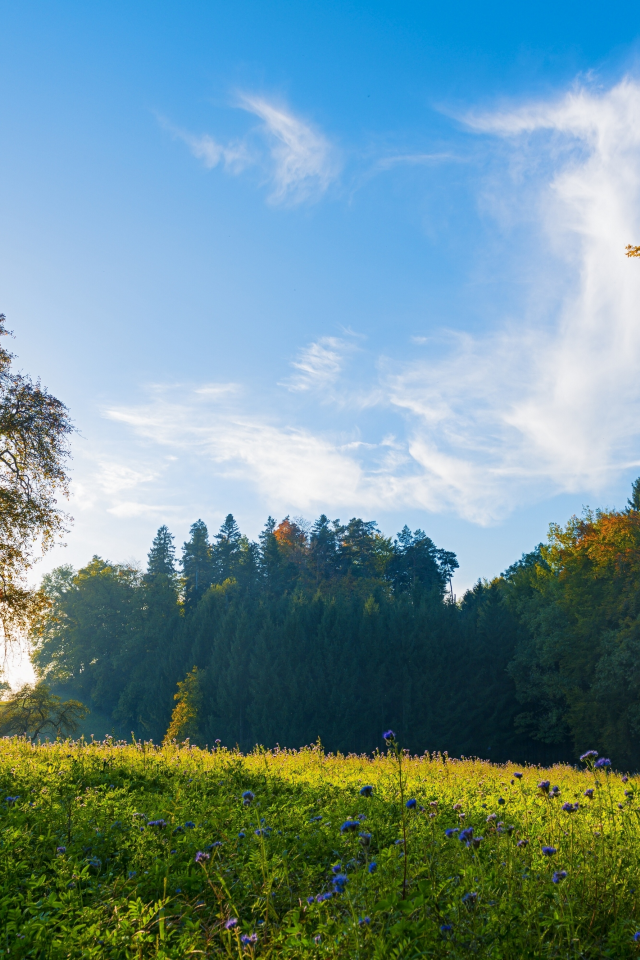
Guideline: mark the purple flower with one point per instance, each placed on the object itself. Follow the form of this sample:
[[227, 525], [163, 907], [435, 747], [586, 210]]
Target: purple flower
[[625, 779], [589, 793], [544, 786], [518, 775], [349, 826], [451, 832], [470, 898], [445, 928], [310, 899], [522, 843], [161, 824], [323, 896], [365, 839], [411, 804], [11, 800], [388, 735], [636, 936], [366, 791], [202, 857], [466, 835], [589, 755], [373, 866], [364, 921], [602, 763], [248, 938], [231, 923], [61, 849], [501, 800], [241, 835], [247, 797], [339, 882], [569, 807], [549, 851], [559, 875], [190, 825]]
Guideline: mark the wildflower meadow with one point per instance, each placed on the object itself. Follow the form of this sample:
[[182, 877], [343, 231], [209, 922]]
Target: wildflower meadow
[[111, 849]]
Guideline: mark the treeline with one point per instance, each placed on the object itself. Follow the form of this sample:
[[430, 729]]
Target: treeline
[[335, 631]]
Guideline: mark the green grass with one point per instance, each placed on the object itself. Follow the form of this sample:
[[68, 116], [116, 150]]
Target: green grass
[[124, 888]]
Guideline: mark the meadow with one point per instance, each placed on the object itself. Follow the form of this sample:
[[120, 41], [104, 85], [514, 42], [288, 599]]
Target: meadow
[[109, 849]]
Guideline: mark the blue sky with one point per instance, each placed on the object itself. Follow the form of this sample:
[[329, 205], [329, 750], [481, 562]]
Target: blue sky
[[327, 257]]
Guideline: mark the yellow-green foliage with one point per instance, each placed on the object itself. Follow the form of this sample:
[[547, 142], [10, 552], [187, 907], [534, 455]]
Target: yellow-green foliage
[[184, 719], [99, 845]]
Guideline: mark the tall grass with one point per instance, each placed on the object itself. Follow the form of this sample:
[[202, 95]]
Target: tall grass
[[132, 850]]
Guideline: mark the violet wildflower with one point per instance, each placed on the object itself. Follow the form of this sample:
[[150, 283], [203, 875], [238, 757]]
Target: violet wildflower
[[636, 936], [445, 928], [602, 763], [492, 816], [323, 896], [310, 899], [549, 851], [241, 835], [559, 875], [202, 857], [61, 850], [349, 826], [589, 755], [388, 735], [589, 793], [364, 921], [518, 775], [231, 923], [569, 807], [466, 835], [365, 839], [339, 882], [522, 843], [470, 899], [11, 800], [247, 797], [625, 779], [373, 866], [366, 791], [317, 939], [161, 824], [248, 938], [411, 804], [451, 832], [190, 825], [544, 786], [501, 800]]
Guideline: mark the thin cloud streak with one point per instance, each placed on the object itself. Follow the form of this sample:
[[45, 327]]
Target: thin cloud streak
[[297, 160]]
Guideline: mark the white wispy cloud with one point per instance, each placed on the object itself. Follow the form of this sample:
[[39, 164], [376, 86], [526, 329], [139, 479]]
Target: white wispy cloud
[[545, 402], [295, 158], [304, 161], [319, 364]]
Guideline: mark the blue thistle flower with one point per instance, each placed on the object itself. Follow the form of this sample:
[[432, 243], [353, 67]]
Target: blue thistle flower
[[544, 786], [589, 793], [247, 797], [470, 899], [202, 857], [364, 921], [339, 882], [589, 755], [411, 804], [160, 824], [549, 851], [61, 850], [501, 800], [570, 807], [349, 826], [602, 763], [518, 775], [248, 938], [310, 899], [445, 928], [559, 875], [11, 800], [190, 825], [366, 791], [231, 923], [388, 735], [466, 835], [241, 835], [451, 832], [373, 866]]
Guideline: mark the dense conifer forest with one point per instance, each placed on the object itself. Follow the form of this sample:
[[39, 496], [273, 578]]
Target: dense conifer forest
[[338, 632]]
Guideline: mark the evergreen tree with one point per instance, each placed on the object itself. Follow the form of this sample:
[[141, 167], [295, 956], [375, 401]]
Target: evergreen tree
[[197, 564], [162, 556]]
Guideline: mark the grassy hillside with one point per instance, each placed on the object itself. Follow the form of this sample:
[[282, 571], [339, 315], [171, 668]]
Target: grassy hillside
[[115, 850]]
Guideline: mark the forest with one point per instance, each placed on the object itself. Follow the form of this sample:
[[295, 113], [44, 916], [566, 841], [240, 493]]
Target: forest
[[334, 631]]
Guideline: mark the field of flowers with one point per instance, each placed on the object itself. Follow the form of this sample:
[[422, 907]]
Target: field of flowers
[[131, 850]]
